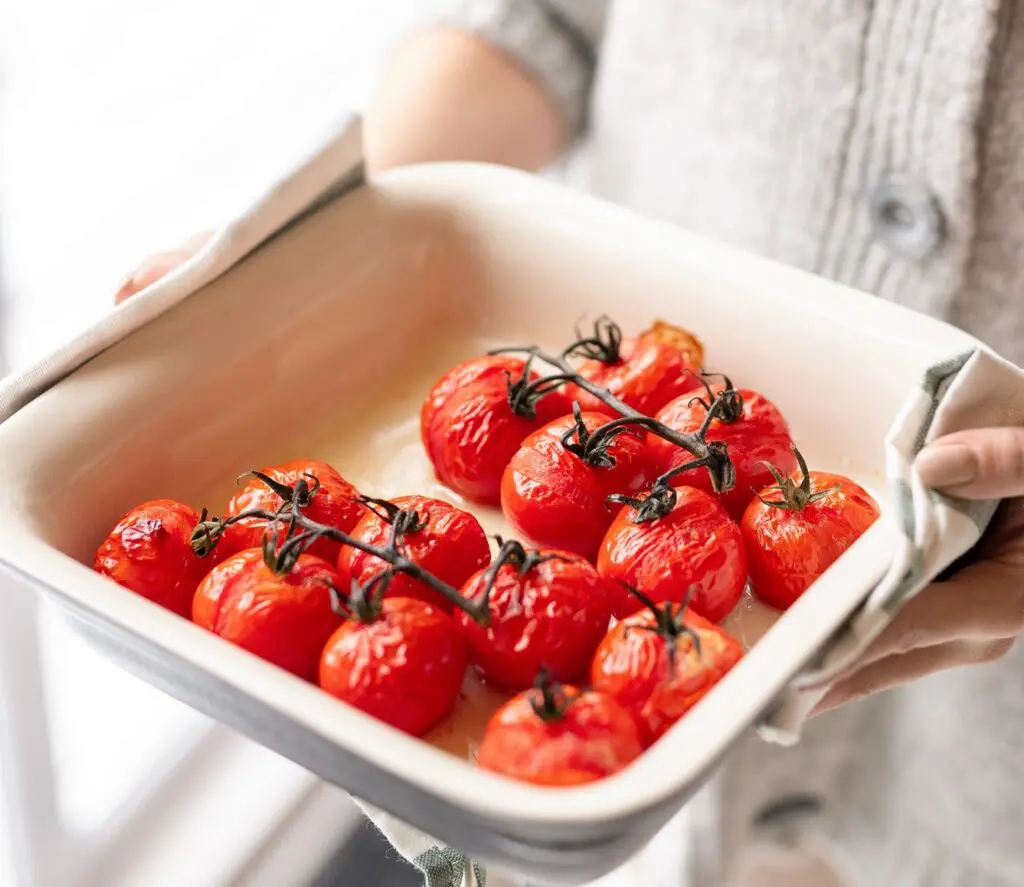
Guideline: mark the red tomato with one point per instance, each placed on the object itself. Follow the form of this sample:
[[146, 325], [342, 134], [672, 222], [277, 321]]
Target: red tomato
[[547, 609], [644, 372], [335, 503], [650, 665], [473, 428], [149, 552], [404, 665], [797, 529], [555, 492], [758, 435], [559, 735], [283, 618], [488, 366], [695, 546], [448, 542]]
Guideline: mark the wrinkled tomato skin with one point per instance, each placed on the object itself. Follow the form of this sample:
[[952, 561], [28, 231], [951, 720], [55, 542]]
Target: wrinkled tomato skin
[[336, 504], [283, 618], [149, 552], [696, 544], [554, 616], [405, 668], [632, 666], [474, 434], [760, 435], [554, 498], [647, 375], [595, 738], [498, 367], [788, 550], [452, 546]]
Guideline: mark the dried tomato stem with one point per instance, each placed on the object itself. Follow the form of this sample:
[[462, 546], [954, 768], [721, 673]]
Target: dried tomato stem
[[553, 702], [795, 496], [669, 622]]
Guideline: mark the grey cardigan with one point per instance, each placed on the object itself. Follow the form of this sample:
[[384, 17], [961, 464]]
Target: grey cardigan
[[879, 143]]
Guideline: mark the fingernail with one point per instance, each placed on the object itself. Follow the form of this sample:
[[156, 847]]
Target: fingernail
[[125, 288], [951, 465]]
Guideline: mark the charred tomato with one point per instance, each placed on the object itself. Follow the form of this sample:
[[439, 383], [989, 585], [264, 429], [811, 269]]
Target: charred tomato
[[694, 545], [544, 608], [797, 528], [475, 418], [446, 541], [398, 659], [150, 553], [283, 617], [660, 662], [559, 735], [555, 490], [326, 498]]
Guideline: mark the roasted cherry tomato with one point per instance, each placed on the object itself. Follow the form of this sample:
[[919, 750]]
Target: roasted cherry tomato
[[149, 552], [446, 541], [475, 418], [694, 546], [559, 735], [401, 660], [555, 490], [650, 664], [644, 372], [798, 528], [285, 618], [755, 434], [332, 500], [546, 608]]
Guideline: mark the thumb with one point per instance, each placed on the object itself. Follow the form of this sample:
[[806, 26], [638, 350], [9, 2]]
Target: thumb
[[985, 463]]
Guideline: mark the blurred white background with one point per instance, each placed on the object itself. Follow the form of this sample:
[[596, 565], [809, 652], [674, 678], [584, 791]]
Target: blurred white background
[[124, 127]]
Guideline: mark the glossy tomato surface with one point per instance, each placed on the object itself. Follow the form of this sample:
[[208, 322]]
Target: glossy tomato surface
[[632, 666], [149, 552], [557, 499], [696, 545], [653, 368], [473, 431], [593, 738], [759, 435], [787, 550], [501, 367], [405, 667], [450, 544], [553, 614], [335, 503], [283, 618]]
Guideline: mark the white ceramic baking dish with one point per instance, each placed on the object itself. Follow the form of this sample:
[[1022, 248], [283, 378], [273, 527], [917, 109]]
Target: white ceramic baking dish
[[332, 332]]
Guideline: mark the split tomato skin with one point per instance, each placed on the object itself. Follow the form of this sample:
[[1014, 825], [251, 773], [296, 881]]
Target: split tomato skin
[[405, 667], [787, 550], [283, 618], [760, 436], [452, 546], [474, 432], [149, 552], [595, 737], [552, 615], [646, 376], [695, 546], [553, 497], [632, 666], [335, 503]]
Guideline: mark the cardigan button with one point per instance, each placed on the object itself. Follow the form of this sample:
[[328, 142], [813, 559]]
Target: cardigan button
[[906, 217]]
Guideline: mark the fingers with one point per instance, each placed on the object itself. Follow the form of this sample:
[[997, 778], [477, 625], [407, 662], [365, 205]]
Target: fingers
[[160, 265], [986, 463], [983, 602], [892, 671]]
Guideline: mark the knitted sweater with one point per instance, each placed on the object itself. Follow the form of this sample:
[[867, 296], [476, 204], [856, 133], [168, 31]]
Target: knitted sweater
[[879, 143]]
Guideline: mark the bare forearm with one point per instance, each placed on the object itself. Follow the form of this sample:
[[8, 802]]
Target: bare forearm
[[449, 95]]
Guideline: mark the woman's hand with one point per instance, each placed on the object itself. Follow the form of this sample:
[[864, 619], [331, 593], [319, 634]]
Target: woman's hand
[[976, 615], [160, 265]]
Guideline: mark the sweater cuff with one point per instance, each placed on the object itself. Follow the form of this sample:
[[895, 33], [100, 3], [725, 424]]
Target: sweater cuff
[[543, 43]]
